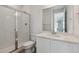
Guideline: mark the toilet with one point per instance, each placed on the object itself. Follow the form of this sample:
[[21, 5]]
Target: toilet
[[29, 46]]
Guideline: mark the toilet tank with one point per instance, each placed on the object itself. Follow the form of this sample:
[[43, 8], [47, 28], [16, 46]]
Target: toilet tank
[[33, 37]]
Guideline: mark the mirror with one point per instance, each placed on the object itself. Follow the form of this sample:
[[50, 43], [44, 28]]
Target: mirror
[[59, 19], [54, 19]]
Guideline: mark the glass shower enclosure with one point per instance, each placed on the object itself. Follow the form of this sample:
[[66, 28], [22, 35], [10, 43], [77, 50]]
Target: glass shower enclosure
[[14, 26]]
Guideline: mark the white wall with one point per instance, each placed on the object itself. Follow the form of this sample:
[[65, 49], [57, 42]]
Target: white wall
[[76, 20], [48, 6], [36, 19]]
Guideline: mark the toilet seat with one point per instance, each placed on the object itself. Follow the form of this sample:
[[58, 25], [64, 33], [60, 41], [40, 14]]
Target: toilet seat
[[28, 44]]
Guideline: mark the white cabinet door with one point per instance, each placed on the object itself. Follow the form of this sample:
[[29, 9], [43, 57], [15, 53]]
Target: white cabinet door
[[60, 46], [43, 45], [76, 47]]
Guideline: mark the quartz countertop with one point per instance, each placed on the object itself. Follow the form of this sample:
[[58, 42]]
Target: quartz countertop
[[59, 36]]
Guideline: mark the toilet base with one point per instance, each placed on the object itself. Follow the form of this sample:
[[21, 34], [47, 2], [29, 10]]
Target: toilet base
[[28, 51]]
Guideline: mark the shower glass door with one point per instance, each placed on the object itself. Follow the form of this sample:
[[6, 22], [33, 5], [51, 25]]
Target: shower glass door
[[22, 28], [7, 29]]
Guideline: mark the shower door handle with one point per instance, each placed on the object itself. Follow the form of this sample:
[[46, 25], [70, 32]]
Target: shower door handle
[[16, 41], [25, 24], [16, 34]]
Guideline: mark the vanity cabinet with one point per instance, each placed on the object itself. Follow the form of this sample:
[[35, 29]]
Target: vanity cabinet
[[46, 45], [43, 45], [58, 46]]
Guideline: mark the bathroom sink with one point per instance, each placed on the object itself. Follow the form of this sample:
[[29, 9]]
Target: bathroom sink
[[45, 33]]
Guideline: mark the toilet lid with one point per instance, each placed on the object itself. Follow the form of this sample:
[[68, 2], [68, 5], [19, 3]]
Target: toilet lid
[[28, 43]]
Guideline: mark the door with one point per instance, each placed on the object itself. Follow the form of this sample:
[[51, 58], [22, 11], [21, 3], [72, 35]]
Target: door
[[22, 28]]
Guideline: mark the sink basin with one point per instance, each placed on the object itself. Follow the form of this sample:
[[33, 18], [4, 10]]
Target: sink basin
[[46, 33]]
